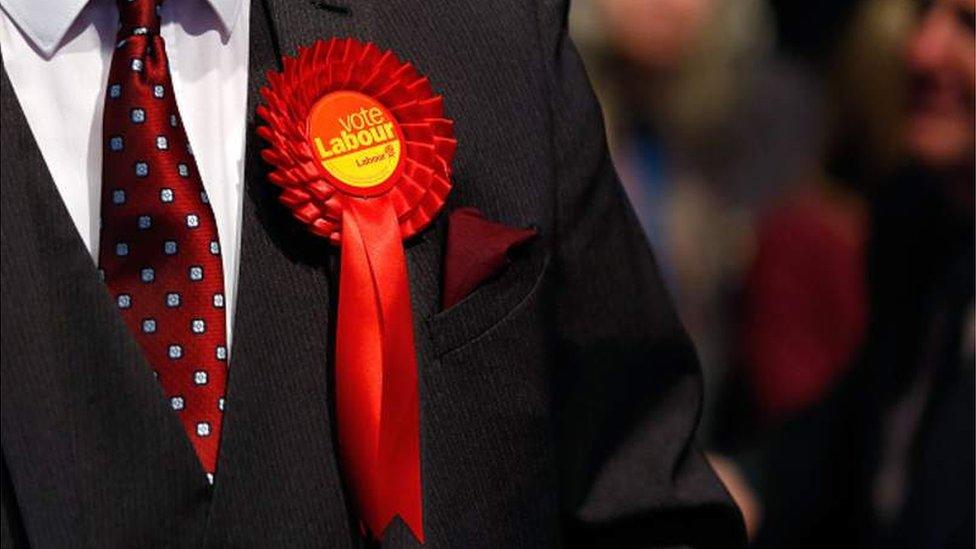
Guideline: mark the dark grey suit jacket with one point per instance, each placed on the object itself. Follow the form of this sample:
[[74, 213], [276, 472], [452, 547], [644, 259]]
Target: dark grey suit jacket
[[559, 401]]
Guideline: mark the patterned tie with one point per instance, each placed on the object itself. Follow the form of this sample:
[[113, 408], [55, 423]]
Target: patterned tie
[[159, 250]]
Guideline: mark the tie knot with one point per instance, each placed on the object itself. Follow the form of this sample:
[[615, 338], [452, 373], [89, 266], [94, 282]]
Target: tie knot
[[138, 17]]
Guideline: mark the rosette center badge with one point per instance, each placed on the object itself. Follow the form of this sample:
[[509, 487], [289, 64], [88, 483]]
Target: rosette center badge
[[357, 140]]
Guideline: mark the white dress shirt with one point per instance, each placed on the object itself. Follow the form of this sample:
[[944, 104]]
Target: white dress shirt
[[57, 55]]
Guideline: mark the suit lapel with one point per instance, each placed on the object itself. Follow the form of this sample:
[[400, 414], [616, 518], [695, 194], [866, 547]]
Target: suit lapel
[[277, 475], [278, 454], [87, 433]]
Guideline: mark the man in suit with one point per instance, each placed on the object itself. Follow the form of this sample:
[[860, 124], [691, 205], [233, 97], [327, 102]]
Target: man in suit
[[558, 400]]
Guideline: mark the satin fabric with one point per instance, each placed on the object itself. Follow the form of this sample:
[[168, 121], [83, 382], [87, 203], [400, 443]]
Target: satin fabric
[[376, 372]]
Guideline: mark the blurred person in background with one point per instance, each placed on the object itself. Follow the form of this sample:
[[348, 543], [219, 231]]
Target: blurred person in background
[[888, 459], [803, 307], [708, 123], [699, 125]]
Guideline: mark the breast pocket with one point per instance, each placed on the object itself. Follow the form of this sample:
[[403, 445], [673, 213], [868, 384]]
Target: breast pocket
[[492, 302]]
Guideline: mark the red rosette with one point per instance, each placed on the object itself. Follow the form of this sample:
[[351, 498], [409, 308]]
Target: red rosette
[[315, 198], [362, 152]]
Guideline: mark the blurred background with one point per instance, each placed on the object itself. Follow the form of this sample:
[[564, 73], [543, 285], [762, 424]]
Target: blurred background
[[805, 174]]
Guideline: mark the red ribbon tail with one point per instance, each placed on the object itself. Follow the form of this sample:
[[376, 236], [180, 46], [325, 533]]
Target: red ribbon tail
[[376, 369]]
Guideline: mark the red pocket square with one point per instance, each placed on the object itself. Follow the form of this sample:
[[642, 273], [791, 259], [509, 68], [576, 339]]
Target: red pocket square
[[477, 249]]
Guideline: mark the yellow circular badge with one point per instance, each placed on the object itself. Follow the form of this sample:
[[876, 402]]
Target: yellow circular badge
[[357, 140]]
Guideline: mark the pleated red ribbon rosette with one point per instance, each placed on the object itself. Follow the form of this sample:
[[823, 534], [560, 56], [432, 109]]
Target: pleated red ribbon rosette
[[363, 153]]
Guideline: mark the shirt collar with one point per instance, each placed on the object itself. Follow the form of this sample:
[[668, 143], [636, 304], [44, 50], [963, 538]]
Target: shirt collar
[[46, 22]]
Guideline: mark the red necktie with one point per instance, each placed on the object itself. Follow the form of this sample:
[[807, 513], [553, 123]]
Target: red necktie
[[159, 249]]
